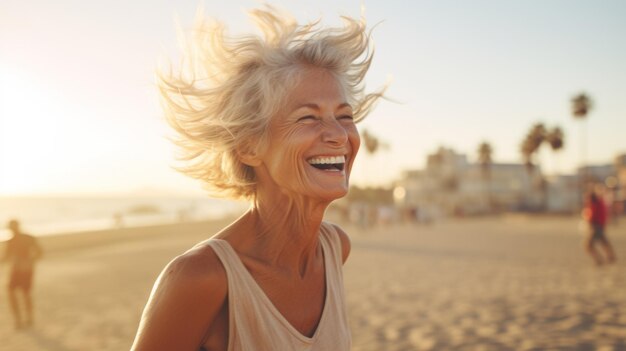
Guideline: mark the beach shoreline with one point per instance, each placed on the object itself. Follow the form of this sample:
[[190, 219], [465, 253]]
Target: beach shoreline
[[503, 283], [91, 238]]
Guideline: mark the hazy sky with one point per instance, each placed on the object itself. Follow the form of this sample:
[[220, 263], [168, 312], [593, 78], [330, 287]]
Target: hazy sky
[[79, 112]]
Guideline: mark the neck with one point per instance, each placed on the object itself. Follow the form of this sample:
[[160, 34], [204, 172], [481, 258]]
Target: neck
[[286, 230]]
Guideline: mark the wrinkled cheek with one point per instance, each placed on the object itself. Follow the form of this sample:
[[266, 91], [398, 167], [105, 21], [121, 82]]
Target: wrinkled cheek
[[292, 173], [301, 176]]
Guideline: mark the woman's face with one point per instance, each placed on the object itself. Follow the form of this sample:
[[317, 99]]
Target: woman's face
[[313, 140]]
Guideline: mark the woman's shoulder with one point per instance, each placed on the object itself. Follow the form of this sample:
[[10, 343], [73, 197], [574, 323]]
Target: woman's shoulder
[[343, 237], [191, 288], [199, 265], [194, 277]]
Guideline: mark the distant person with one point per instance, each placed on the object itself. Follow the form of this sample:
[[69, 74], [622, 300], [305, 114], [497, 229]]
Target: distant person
[[118, 220], [270, 119], [618, 210], [22, 251], [595, 213]]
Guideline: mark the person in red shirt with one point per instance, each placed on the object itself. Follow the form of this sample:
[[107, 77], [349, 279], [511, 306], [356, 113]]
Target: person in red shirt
[[595, 214]]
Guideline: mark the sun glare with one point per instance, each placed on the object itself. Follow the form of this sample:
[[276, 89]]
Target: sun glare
[[29, 120]]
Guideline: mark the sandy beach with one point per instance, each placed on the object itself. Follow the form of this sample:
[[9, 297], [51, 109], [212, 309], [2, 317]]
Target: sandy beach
[[506, 283]]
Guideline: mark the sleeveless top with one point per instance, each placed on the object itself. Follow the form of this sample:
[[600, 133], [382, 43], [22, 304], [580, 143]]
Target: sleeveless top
[[255, 324]]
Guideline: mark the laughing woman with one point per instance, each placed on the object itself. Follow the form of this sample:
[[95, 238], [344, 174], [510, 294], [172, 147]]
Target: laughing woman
[[272, 120]]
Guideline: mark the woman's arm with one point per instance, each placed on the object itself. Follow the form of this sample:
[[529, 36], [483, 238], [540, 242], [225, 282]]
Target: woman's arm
[[183, 304]]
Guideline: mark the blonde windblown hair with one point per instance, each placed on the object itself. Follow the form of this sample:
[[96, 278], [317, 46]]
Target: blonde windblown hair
[[222, 99]]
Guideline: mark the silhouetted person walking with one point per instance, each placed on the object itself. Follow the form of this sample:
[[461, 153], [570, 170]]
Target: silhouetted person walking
[[595, 213], [22, 251]]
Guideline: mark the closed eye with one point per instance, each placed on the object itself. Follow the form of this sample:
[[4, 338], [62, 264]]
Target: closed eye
[[346, 117], [307, 118]]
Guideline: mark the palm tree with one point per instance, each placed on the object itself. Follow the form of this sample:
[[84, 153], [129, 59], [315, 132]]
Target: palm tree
[[581, 106], [537, 136], [484, 155], [372, 145], [484, 159], [371, 142], [555, 138], [531, 144]]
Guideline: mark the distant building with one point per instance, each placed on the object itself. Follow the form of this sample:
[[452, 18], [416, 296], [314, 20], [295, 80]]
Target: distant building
[[563, 194], [450, 184], [618, 184], [596, 174]]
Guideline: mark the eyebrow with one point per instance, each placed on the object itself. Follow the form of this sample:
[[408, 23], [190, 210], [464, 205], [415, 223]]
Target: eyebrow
[[316, 107]]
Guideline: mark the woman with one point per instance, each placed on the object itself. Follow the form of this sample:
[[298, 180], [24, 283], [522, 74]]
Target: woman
[[271, 120], [595, 214]]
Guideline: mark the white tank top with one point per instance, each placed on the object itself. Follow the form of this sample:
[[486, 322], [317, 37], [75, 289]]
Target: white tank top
[[256, 325]]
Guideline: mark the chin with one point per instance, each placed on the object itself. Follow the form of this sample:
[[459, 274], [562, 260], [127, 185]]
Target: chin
[[330, 195]]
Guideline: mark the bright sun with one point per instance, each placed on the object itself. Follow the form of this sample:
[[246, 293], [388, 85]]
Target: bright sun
[[30, 113]]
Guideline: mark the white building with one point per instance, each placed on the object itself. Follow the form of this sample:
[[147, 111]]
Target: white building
[[618, 184], [563, 194], [450, 184]]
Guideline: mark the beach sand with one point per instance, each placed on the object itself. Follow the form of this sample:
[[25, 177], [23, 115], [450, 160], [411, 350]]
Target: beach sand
[[506, 283]]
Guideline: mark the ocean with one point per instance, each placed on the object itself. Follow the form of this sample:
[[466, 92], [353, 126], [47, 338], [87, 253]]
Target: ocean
[[48, 215]]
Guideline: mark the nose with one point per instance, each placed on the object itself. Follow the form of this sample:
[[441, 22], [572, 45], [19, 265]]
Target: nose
[[334, 133]]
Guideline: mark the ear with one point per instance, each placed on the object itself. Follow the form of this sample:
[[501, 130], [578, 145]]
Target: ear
[[248, 157]]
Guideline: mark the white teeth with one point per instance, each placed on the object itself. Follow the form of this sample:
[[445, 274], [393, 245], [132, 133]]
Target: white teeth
[[327, 160]]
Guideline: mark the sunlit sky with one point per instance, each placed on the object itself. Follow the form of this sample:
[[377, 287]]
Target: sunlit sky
[[79, 112]]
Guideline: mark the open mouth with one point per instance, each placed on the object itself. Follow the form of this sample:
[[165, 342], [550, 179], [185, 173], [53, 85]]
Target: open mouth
[[328, 163]]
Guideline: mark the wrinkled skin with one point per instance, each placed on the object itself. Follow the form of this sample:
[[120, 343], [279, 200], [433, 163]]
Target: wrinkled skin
[[316, 121], [277, 240]]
